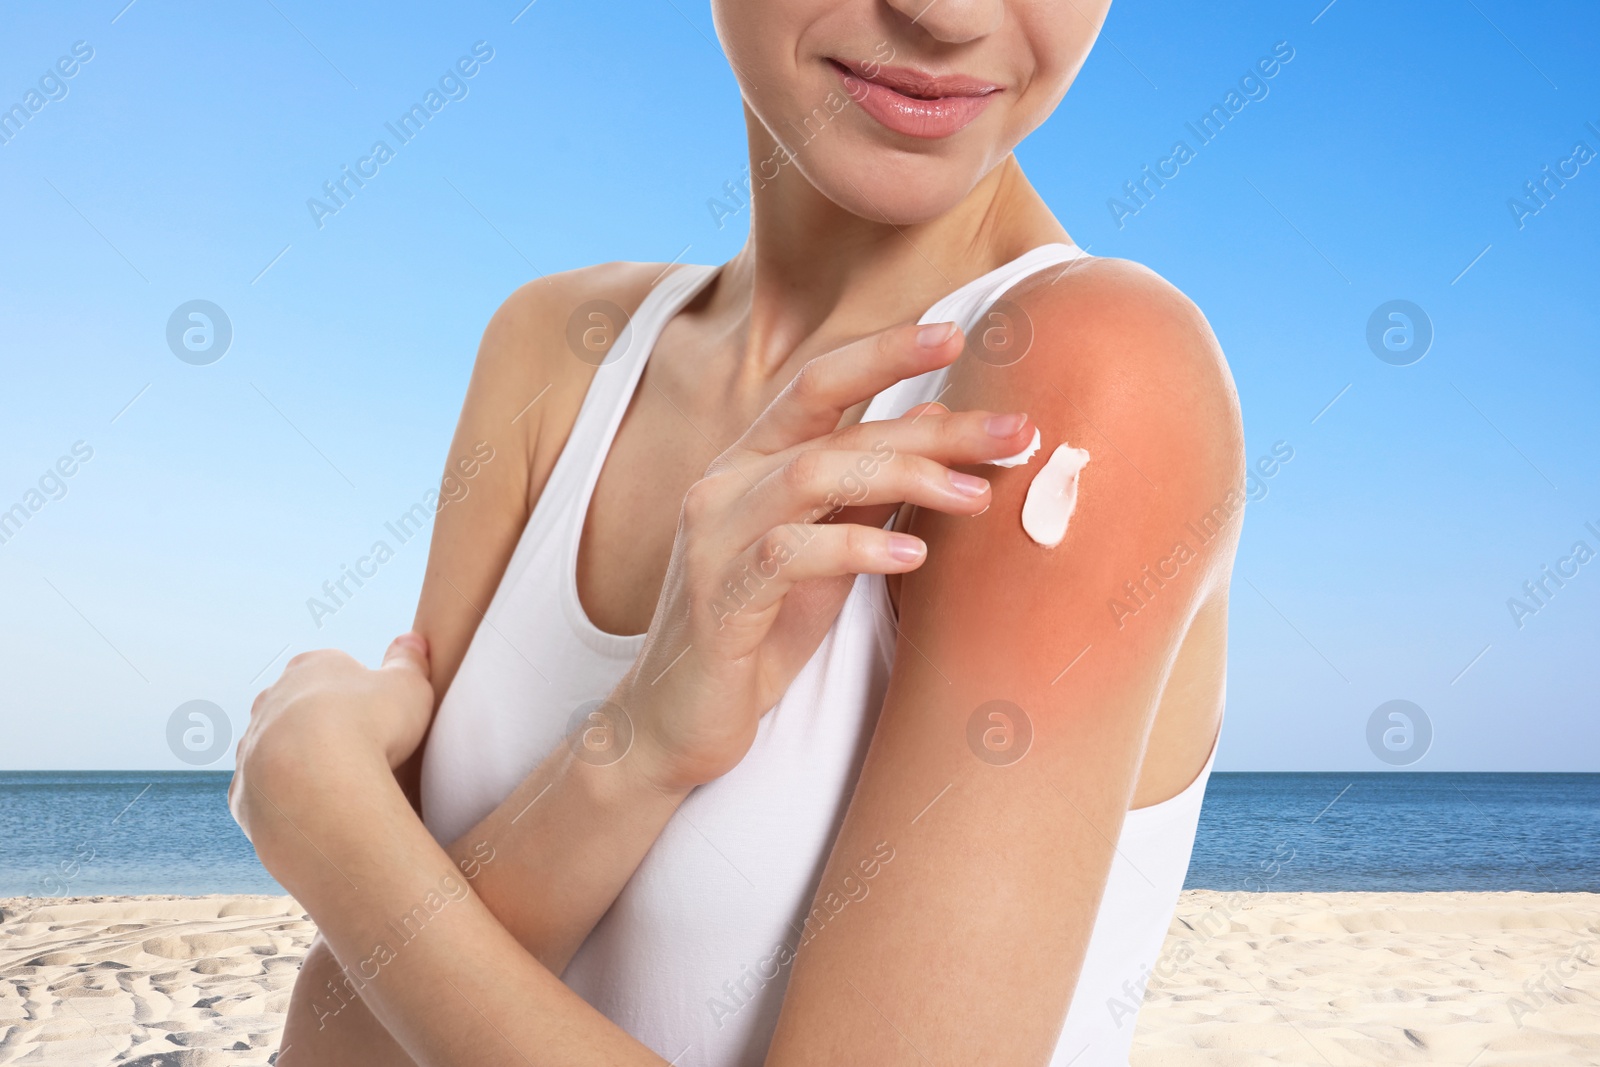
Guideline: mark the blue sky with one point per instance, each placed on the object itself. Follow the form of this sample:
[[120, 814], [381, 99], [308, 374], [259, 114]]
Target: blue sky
[[176, 162]]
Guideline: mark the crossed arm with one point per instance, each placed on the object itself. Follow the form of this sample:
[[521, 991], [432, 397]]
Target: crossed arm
[[998, 870]]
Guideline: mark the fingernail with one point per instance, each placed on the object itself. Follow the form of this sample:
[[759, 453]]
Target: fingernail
[[967, 484], [935, 334], [1003, 425], [903, 548]]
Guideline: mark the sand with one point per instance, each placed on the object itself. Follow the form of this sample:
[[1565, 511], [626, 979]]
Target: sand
[[152, 981], [1479, 979]]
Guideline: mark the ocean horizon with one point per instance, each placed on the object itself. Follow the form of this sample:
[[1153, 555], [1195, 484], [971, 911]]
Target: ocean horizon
[[98, 833]]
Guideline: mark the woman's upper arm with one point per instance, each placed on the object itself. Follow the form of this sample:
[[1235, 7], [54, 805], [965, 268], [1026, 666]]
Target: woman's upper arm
[[484, 492], [970, 940]]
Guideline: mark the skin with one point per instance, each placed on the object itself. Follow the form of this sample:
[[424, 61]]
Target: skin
[[858, 230]]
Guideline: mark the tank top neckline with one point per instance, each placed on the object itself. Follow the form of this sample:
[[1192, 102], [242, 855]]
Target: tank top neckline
[[637, 341]]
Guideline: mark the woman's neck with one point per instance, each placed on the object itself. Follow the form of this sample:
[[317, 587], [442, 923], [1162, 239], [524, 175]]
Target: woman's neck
[[812, 275]]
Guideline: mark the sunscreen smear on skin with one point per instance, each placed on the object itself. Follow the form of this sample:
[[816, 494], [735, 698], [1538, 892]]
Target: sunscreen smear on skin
[[1053, 496]]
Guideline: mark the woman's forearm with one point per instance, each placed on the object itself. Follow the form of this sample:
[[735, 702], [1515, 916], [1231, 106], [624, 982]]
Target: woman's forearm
[[553, 856], [547, 863], [426, 955]]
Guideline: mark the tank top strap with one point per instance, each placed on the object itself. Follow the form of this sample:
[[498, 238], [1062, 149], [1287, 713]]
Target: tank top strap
[[565, 498], [615, 380]]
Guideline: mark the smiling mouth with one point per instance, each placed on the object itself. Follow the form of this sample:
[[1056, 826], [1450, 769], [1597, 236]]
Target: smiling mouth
[[916, 84], [913, 102]]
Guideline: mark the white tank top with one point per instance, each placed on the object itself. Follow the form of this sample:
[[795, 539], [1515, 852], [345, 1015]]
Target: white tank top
[[686, 960]]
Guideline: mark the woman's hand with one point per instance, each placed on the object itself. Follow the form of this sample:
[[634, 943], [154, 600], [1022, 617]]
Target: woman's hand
[[769, 543], [325, 708]]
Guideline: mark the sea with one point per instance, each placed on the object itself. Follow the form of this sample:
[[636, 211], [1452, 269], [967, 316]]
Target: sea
[[88, 833]]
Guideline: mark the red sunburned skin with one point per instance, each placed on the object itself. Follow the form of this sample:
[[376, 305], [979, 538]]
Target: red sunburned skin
[[914, 102]]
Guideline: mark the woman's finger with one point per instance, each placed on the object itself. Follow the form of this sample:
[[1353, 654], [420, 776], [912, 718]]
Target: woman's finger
[[961, 437], [763, 574], [815, 484], [409, 651], [828, 386]]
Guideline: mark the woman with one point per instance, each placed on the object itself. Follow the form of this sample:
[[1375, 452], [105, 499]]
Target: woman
[[765, 732]]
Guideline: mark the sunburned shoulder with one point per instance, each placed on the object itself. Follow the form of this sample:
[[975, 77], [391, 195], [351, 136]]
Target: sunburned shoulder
[[1141, 444], [1115, 353]]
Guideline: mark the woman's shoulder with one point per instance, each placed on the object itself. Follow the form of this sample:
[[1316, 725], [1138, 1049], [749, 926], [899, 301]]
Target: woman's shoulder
[[1113, 344], [532, 330], [1110, 321], [541, 347]]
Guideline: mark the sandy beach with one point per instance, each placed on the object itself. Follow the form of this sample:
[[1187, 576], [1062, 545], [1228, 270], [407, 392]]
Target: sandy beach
[[1480, 979]]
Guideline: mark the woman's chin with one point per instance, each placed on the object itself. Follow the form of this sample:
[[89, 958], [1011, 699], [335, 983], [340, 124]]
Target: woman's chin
[[886, 185]]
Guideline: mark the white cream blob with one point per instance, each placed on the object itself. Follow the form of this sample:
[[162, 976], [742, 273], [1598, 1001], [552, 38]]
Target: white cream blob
[[1021, 457], [1053, 495]]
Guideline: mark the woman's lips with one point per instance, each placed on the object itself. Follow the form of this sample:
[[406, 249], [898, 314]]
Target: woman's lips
[[913, 102]]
